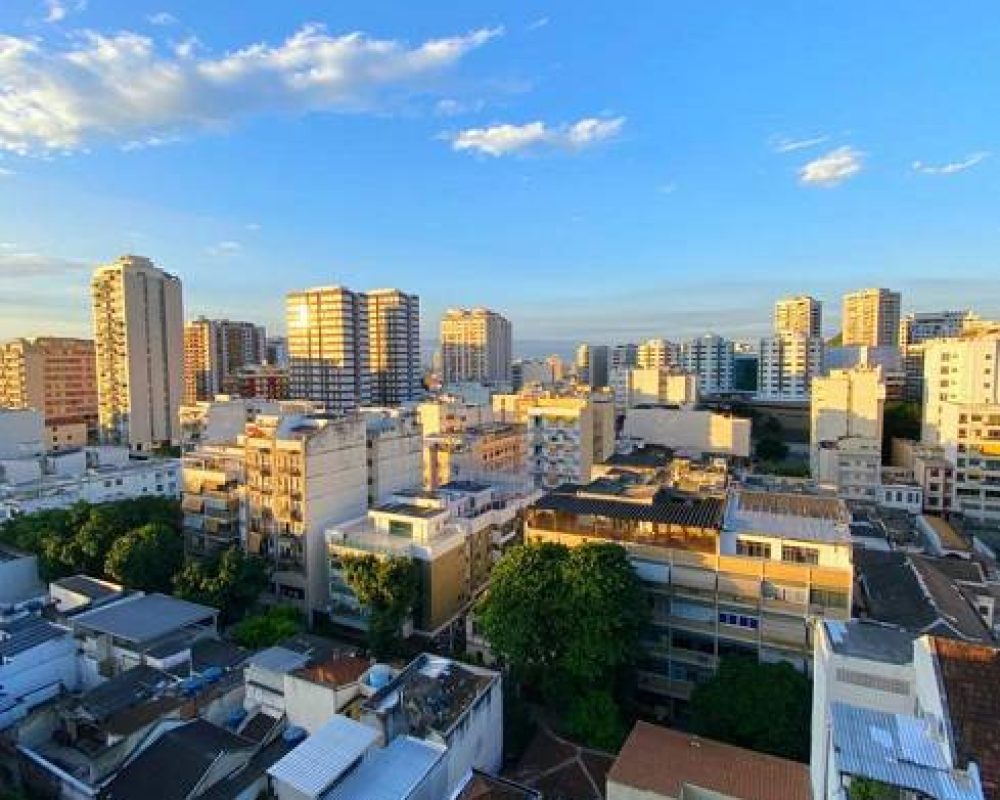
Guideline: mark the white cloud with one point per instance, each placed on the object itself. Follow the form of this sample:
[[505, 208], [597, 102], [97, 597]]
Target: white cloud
[[782, 144], [125, 87], [833, 168], [6, 173], [952, 167], [253, 226], [225, 248], [58, 10], [541, 22], [450, 107], [505, 139], [15, 264], [162, 18]]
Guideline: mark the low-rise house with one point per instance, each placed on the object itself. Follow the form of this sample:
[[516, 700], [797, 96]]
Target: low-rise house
[[77, 593], [19, 581], [658, 763], [37, 663]]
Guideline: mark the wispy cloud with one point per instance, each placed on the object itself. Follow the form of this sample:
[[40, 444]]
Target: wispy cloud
[[126, 87], [225, 248], [162, 18], [784, 144], [833, 168], [17, 264], [507, 139], [450, 107], [541, 22], [253, 226], [6, 173], [58, 10], [952, 167]]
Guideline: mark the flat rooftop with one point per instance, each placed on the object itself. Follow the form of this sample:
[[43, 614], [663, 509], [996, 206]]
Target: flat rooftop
[[145, 618], [313, 766], [393, 772], [788, 516], [663, 507], [871, 641], [410, 510], [438, 692]]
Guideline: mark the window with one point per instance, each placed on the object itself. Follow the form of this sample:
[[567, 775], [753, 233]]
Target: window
[[799, 555], [398, 527], [753, 549], [738, 620]]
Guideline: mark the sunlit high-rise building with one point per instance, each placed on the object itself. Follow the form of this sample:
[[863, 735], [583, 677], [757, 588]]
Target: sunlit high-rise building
[[476, 347], [871, 318], [393, 345], [215, 350], [798, 315]]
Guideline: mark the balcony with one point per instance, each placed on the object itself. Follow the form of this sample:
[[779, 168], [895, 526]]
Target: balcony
[[658, 684]]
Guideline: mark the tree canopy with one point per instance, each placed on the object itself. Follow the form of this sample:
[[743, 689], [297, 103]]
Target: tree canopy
[[388, 590], [267, 629], [231, 582], [566, 620], [146, 558], [765, 707]]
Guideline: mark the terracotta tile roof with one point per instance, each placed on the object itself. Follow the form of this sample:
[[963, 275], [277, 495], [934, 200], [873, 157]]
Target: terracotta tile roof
[[662, 760], [337, 671], [970, 674]]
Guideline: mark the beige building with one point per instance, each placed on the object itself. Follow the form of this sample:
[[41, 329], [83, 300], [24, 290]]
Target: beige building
[[476, 347], [138, 317], [474, 453], [393, 345], [56, 376], [846, 404], [395, 451], [303, 473], [663, 386], [450, 414], [657, 353], [741, 576], [801, 315], [959, 370], [328, 347], [871, 318], [787, 365], [213, 483], [689, 430], [567, 436], [970, 438], [214, 350]]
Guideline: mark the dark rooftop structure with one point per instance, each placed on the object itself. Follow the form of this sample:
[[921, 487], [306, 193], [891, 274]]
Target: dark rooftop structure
[[483, 786], [92, 588], [409, 510], [911, 593], [796, 505], [176, 763], [870, 640], [463, 486], [146, 618], [651, 456], [130, 688], [21, 635], [970, 675], [663, 506]]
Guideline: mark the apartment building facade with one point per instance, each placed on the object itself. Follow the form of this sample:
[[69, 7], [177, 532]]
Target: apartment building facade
[[970, 438], [788, 364], [567, 436], [475, 452], [476, 347], [657, 353], [870, 318], [744, 575], [711, 358], [56, 376], [214, 350], [393, 345], [800, 316], [846, 407], [138, 318], [959, 370]]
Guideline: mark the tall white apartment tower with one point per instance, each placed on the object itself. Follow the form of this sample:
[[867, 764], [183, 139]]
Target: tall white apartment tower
[[798, 315], [328, 347], [788, 364], [961, 370], [711, 358], [138, 318], [476, 346], [393, 345], [871, 318]]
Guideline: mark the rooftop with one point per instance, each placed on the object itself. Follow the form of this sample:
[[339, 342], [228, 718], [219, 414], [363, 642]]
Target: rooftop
[[390, 773], [176, 762], [278, 659], [897, 750], [23, 634], [661, 760], [871, 641], [950, 538], [143, 619], [438, 693], [652, 456], [663, 507], [788, 515], [482, 786], [970, 674], [89, 587], [322, 758], [338, 670], [410, 510]]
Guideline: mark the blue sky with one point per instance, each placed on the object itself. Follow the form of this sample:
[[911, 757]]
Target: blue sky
[[603, 171]]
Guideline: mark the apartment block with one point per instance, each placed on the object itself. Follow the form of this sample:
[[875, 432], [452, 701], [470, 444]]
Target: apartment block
[[261, 381], [138, 318], [451, 414], [970, 438], [213, 485], [566, 436], [474, 453], [689, 430], [395, 452], [744, 575], [214, 349], [476, 347], [303, 473], [661, 386], [393, 346], [57, 377], [846, 405], [657, 353], [959, 370], [328, 347], [710, 357], [871, 318], [453, 534], [593, 364], [787, 365], [277, 351], [798, 316]]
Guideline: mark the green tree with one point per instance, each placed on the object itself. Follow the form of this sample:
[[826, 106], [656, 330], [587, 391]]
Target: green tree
[[267, 629], [900, 420], [771, 449], [869, 789], [594, 718], [146, 558], [231, 582], [763, 707], [388, 590]]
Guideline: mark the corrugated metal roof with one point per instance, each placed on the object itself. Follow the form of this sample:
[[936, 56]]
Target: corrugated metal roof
[[898, 750], [322, 758], [392, 773], [278, 659], [144, 618], [23, 634]]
